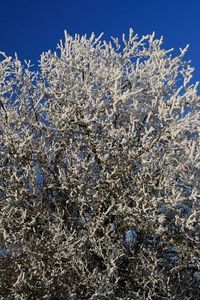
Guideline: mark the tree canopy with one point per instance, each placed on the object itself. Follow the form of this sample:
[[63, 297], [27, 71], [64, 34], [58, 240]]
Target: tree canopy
[[100, 185]]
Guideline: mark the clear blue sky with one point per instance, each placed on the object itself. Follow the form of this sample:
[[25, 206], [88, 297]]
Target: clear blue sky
[[29, 27]]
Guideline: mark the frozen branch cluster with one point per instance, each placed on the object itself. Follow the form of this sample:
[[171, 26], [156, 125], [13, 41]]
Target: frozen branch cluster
[[99, 181]]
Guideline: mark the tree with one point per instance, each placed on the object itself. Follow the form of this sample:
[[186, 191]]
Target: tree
[[100, 185]]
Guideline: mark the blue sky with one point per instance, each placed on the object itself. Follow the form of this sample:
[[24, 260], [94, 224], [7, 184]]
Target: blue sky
[[30, 27]]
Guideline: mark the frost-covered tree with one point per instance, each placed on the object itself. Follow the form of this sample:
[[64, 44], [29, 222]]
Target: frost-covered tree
[[100, 181]]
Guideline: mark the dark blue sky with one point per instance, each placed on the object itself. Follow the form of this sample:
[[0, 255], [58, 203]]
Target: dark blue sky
[[29, 27]]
